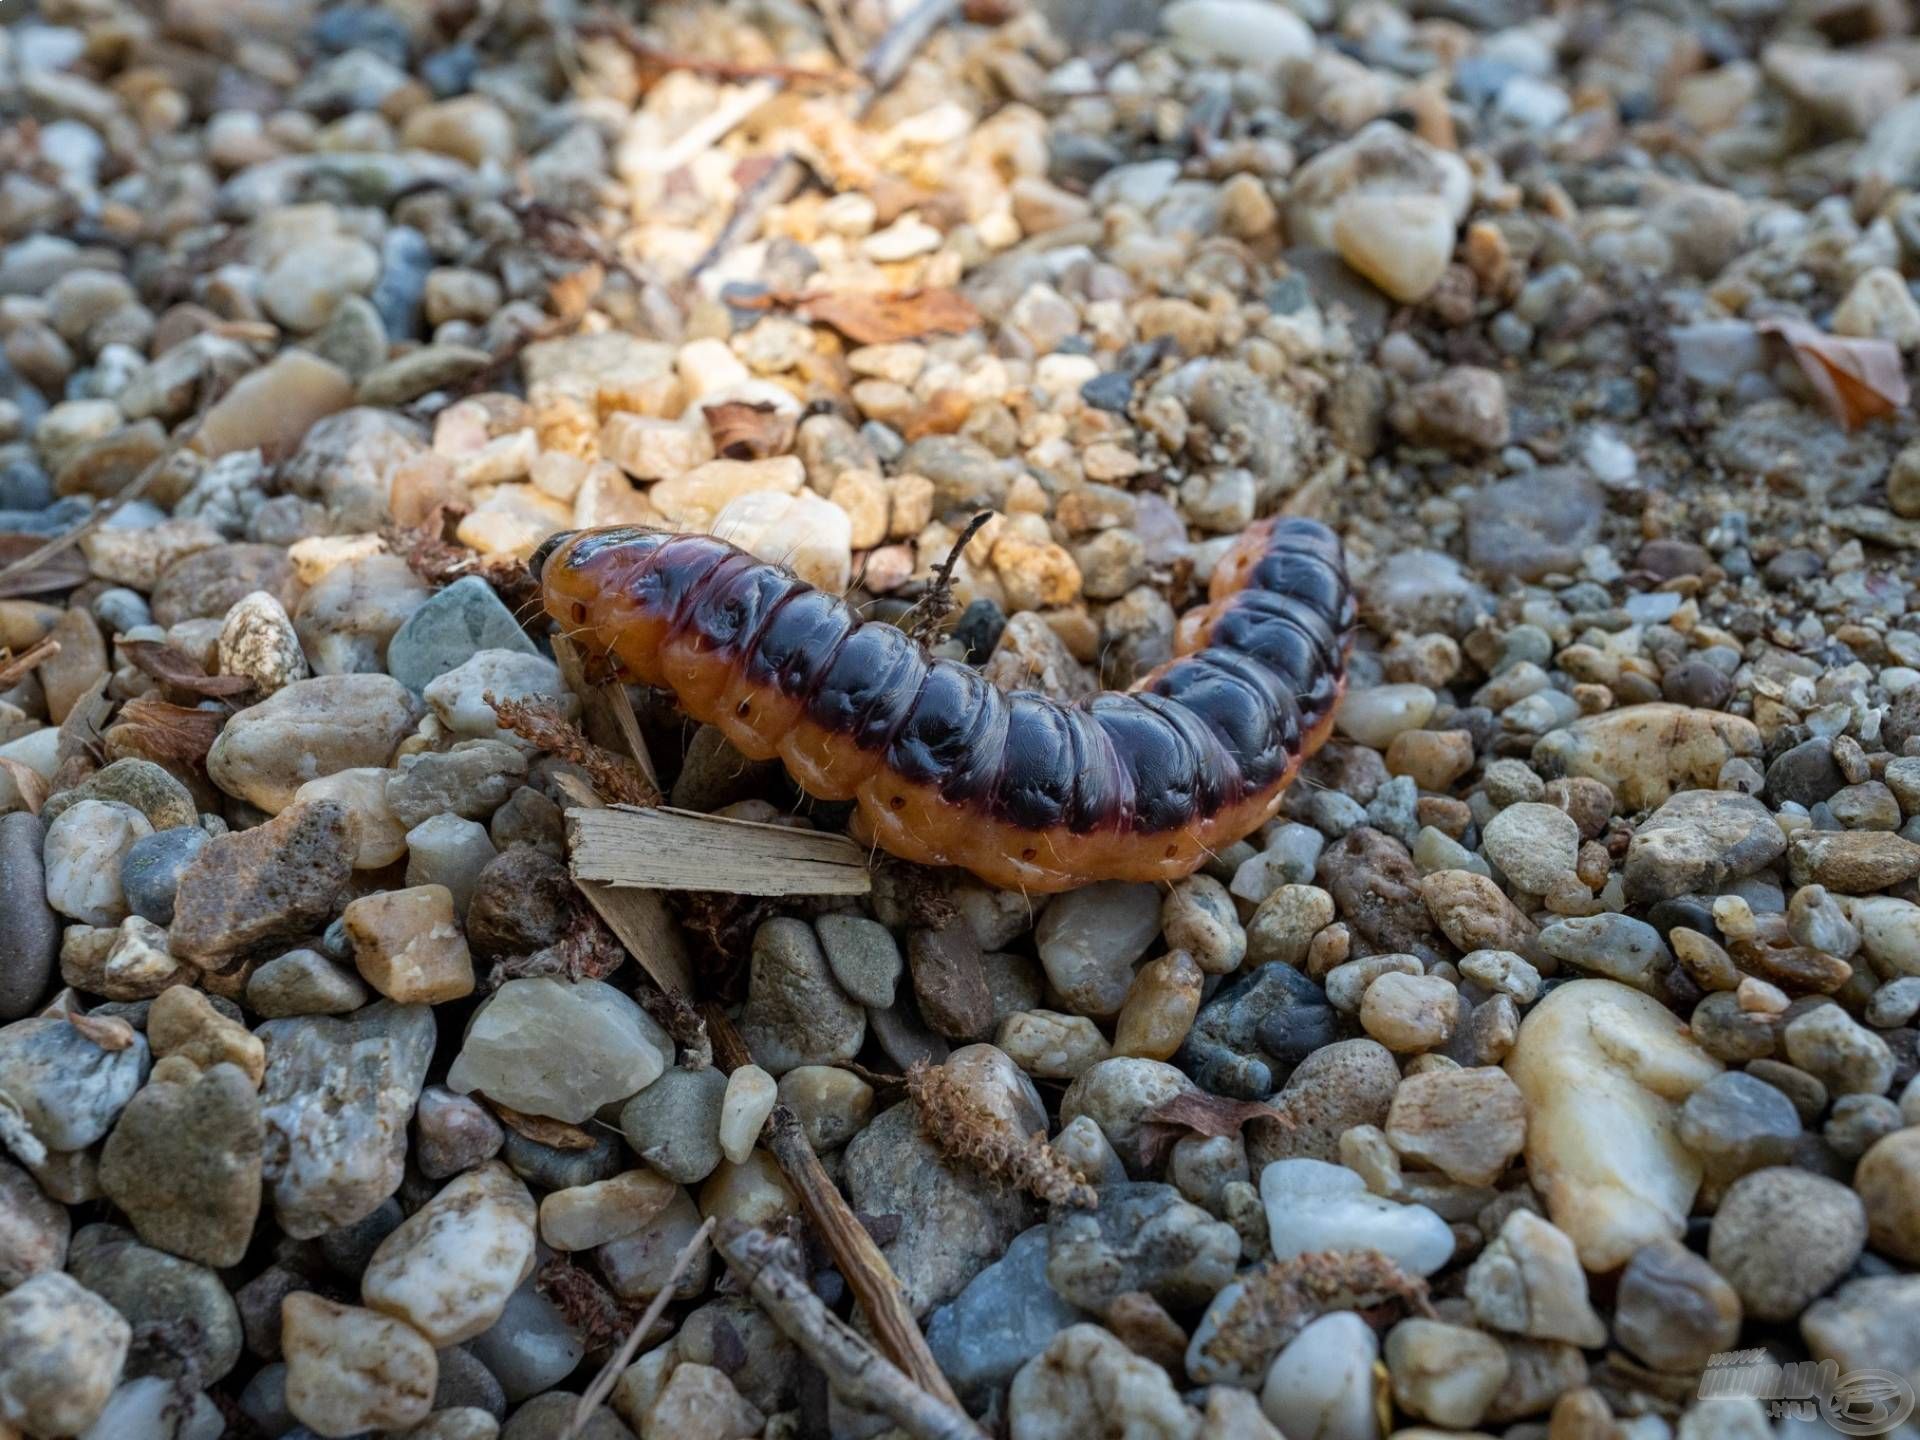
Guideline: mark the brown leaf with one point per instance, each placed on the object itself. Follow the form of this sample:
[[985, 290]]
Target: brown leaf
[[538, 1128], [876, 317], [31, 784], [109, 1032], [150, 729], [749, 430], [59, 571], [1857, 380], [1209, 1114], [175, 667]]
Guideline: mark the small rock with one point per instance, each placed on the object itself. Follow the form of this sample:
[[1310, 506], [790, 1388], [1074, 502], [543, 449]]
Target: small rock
[[1528, 1281], [1673, 1309], [407, 946], [1888, 1182], [1086, 1382], [1312, 1205], [1320, 1387], [559, 1049], [303, 982], [459, 621], [151, 869], [452, 1133], [336, 1100], [1089, 940], [862, 955], [350, 1370], [34, 1228], [1468, 1124], [183, 1022], [1143, 1237], [450, 1267], [1534, 845], [161, 1295], [582, 1217], [67, 1088], [1006, 1314], [1448, 1374], [1783, 1237], [1697, 842], [257, 640], [744, 1108], [1848, 1058], [1644, 753], [674, 1124], [253, 889], [184, 1163], [61, 1352], [796, 1014], [84, 851], [309, 729]]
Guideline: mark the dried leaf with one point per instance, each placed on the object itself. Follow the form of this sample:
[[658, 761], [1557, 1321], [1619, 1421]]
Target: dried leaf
[[59, 571], [749, 430], [175, 667], [1209, 1114], [31, 784], [556, 1134], [150, 729], [1857, 380], [874, 317], [109, 1032]]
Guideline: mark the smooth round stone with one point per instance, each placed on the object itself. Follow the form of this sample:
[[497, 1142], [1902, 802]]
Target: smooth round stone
[[585, 1216], [559, 1049], [1089, 940], [862, 955], [450, 1267], [150, 1288], [1321, 1384], [674, 1124], [29, 929], [1312, 1205], [150, 871], [350, 1369], [1784, 1237], [832, 1104], [456, 623], [1534, 845], [1198, 916], [531, 1348], [61, 1351], [84, 850], [68, 1089], [304, 982], [1374, 716]]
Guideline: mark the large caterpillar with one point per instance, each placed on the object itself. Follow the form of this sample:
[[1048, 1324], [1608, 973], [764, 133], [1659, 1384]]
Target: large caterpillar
[[1024, 791]]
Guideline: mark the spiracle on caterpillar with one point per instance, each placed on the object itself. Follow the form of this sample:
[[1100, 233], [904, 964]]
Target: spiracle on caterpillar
[[1022, 790]]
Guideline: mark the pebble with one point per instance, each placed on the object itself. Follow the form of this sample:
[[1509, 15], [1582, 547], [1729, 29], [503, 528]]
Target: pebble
[[151, 1288], [184, 1163], [350, 1369], [560, 1049], [1783, 1237], [303, 982], [1528, 1281], [407, 946], [337, 1098], [1006, 1315], [1448, 1374], [1143, 1237], [1468, 1124], [308, 729], [464, 618], [1845, 1056], [748, 1100], [1885, 1180], [1410, 1013], [862, 955], [674, 1124], [1320, 1386], [1090, 939], [449, 1268], [61, 1352], [34, 1228], [452, 1133], [1086, 1382], [1602, 1069], [84, 851], [68, 1089], [29, 931], [254, 889], [581, 1217], [1312, 1205], [796, 1012]]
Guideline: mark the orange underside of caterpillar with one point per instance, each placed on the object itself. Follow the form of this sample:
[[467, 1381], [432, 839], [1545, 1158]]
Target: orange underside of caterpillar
[[681, 612]]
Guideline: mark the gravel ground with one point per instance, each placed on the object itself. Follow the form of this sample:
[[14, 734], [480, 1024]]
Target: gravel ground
[[1554, 1043]]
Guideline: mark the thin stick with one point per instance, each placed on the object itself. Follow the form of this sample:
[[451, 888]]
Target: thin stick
[[854, 1368], [609, 1375], [939, 597], [854, 1253], [893, 51]]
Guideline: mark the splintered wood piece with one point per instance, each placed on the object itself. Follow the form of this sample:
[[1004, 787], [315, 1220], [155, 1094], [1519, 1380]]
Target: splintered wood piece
[[638, 917], [667, 849], [605, 711]]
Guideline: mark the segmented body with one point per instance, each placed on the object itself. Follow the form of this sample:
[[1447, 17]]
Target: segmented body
[[1026, 792]]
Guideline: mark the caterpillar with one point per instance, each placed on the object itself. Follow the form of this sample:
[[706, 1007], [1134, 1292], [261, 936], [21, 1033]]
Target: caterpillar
[[1024, 791]]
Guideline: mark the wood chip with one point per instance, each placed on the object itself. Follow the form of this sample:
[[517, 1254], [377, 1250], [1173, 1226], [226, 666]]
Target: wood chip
[[150, 729], [667, 849], [31, 784], [38, 573]]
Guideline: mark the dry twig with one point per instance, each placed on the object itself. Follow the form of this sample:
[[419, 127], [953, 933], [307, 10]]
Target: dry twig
[[937, 604], [543, 723], [609, 1375], [859, 1373], [15, 667], [963, 1129], [855, 1253]]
